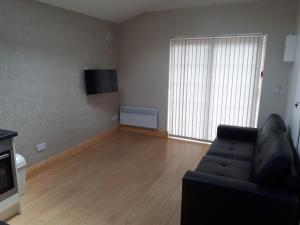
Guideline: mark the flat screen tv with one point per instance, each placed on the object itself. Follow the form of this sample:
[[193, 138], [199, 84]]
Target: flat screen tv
[[100, 81]]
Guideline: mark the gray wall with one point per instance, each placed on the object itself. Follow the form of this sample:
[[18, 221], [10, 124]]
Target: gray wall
[[144, 48], [292, 114], [43, 50]]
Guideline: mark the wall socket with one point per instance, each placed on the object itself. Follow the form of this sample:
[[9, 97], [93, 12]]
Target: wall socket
[[41, 147], [115, 117]]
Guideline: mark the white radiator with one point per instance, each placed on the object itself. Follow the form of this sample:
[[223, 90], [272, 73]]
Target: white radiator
[[138, 117]]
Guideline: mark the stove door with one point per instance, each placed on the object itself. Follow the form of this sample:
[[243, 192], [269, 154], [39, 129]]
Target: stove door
[[6, 172]]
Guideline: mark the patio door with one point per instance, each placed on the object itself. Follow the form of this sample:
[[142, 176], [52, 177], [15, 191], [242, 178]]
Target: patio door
[[212, 81]]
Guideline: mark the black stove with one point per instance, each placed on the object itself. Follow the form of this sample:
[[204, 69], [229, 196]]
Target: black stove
[[8, 180], [7, 134]]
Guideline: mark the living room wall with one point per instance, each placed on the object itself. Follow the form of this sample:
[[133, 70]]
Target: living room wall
[[293, 113], [144, 49], [43, 50]]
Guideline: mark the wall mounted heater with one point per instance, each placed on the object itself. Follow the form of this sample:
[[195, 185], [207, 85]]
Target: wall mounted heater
[[138, 117]]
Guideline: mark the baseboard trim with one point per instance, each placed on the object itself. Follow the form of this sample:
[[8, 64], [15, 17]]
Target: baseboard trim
[[69, 153], [144, 131]]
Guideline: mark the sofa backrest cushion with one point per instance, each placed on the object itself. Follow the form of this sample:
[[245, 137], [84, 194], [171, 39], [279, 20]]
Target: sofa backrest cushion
[[273, 122], [272, 162], [292, 181], [265, 138]]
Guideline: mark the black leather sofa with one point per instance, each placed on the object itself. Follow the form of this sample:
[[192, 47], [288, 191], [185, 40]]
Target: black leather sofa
[[248, 176]]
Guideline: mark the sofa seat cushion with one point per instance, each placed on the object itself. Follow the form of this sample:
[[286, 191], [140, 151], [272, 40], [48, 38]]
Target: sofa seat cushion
[[229, 168], [232, 149]]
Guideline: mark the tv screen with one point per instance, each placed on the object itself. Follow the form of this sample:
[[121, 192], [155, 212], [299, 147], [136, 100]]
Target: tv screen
[[100, 81]]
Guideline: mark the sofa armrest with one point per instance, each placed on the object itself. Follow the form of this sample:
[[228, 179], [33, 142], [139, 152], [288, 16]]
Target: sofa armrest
[[215, 200], [237, 133]]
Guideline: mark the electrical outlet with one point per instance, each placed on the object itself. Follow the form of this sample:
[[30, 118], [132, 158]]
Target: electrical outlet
[[115, 117], [41, 147]]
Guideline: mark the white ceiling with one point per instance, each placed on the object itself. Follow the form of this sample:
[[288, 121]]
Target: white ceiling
[[121, 10]]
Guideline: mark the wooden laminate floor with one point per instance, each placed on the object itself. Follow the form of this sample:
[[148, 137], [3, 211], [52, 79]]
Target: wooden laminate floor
[[128, 179]]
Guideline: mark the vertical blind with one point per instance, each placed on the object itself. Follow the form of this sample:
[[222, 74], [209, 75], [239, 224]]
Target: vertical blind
[[214, 81]]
